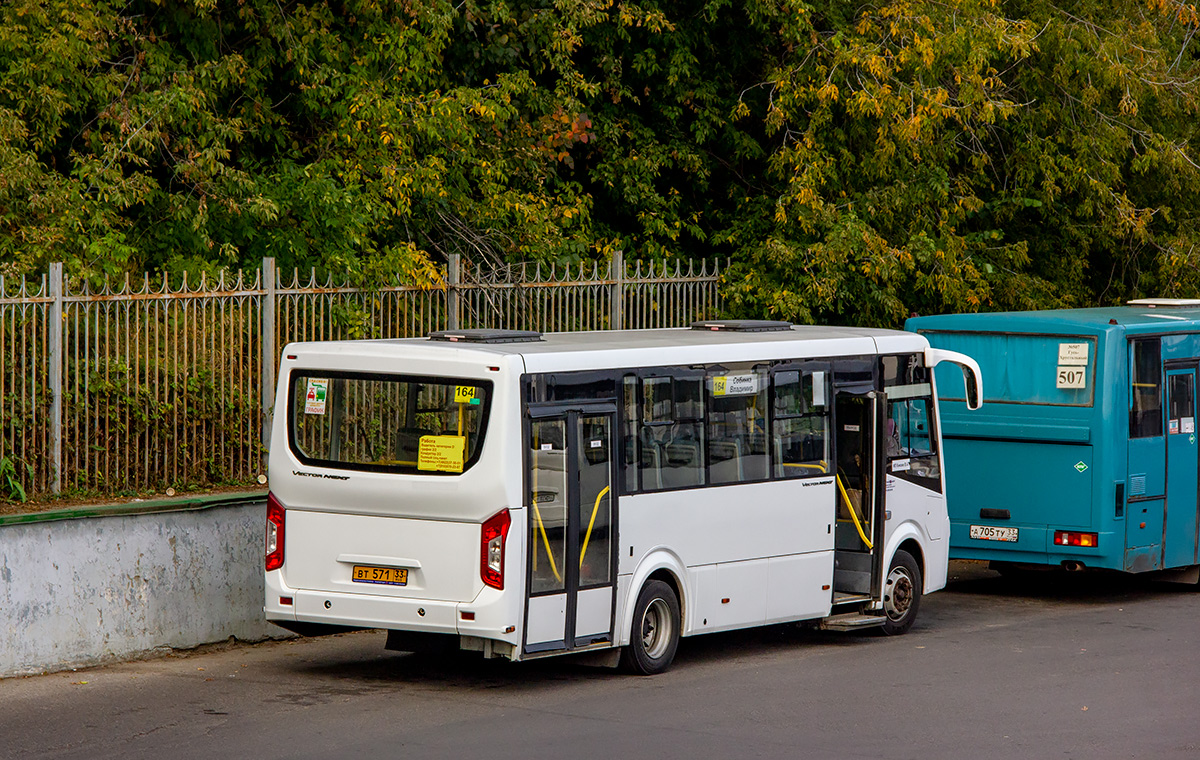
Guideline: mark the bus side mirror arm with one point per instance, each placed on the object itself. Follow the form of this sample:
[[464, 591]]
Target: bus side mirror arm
[[972, 378]]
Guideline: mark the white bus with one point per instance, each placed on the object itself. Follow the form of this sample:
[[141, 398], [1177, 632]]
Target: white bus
[[525, 495]]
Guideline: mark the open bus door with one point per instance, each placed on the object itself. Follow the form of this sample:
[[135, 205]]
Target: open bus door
[[859, 413]]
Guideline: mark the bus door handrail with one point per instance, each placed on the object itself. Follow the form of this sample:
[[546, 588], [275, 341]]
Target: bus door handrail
[[588, 536], [853, 514]]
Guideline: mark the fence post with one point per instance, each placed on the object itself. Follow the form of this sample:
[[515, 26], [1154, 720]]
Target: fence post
[[57, 356], [269, 357], [452, 281], [616, 294]]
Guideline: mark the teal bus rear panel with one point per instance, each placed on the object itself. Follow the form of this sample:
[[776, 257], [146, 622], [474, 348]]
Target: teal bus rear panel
[[1085, 451]]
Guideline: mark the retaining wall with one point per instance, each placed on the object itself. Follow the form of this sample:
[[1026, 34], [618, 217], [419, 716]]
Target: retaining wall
[[86, 587]]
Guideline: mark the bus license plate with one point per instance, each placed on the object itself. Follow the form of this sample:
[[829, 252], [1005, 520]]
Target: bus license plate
[[387, 576], [993, 533]]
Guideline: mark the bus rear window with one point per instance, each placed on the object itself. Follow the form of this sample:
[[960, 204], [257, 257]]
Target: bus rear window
[[1021, 368], [387, 423]]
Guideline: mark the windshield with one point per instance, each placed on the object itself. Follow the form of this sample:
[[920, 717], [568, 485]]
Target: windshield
[[387, 423]]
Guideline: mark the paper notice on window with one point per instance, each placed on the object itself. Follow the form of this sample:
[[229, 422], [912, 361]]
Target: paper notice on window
[[735, 385], [314, 396], [1073, 354], [441, 453]]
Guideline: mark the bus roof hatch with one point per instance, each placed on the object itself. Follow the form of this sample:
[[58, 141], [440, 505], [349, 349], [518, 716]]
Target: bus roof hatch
[[742, 325], [484, 335]]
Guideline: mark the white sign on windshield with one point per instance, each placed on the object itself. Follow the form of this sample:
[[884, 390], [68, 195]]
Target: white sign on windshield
[[735, 385]]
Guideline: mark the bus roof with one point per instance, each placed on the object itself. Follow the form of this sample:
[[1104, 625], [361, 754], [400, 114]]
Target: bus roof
[[1135, 319], [616, 348]]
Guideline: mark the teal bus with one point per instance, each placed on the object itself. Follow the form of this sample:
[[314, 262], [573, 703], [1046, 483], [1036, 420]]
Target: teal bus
[[1084, 454]]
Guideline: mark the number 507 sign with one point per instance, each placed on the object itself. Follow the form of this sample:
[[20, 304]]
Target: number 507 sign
[[1072, 377], [1072, 365]]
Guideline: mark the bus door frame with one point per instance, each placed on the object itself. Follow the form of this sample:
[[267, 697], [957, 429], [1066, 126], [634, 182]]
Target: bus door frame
[[571, 413], [873, 420], [1174, 444]]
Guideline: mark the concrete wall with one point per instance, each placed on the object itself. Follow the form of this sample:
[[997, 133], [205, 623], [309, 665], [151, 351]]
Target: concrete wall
[[90, 590]]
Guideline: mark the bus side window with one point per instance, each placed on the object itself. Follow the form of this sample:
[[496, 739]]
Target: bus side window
[[909, 439], [631, 458], [800, 431], [736, 448], [1145, 393], [670, 437]]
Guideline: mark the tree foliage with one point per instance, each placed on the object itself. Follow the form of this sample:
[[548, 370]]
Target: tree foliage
[[854, 162]]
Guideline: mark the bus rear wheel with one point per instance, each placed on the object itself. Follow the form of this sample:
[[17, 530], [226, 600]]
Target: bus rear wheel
[[901, 594], [654, 636]]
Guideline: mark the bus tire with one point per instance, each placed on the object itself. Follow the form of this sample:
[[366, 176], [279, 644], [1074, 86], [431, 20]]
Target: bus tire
[[654, 636], [901, 594]]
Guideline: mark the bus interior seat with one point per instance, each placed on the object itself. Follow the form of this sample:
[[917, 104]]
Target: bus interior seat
[[725, 460], [651, 459], [408, 442], [681, 456]]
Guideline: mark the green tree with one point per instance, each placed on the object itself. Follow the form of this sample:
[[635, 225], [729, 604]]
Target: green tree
[[974, 155]]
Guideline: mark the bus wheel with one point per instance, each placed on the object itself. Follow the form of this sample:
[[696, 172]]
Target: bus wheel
[[655, 633], [901, 594]]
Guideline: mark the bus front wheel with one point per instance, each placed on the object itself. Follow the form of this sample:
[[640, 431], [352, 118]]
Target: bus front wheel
[[901, 594], [654, 636]]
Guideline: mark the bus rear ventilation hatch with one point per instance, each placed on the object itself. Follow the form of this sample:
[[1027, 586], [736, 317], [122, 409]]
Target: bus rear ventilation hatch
[[742, 325], [484, 335]]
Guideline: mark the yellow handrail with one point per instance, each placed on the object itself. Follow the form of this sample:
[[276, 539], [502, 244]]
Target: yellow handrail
[[819, 466], [588, 536], [537, 513], [853, 514], [546, 541]]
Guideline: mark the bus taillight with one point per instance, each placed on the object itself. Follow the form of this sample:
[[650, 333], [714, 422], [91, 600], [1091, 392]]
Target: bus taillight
[[1075, 538], [491, 560], [274, 533]]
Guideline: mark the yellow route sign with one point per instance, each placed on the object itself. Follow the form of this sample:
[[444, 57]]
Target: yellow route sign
[[465, 394], [442, 453]]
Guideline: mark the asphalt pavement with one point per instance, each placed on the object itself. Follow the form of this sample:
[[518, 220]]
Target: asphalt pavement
[[1087, 666]]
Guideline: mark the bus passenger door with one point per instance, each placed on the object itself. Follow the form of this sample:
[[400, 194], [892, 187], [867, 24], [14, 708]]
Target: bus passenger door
[[1183, 467], [858, 532], [571, 560]]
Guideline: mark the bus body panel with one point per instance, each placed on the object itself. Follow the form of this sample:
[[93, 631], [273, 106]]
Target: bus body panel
[[783, 526], [918, 514], [330, 544]]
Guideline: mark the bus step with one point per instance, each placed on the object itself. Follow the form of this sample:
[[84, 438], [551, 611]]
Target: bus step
[[852, 621]]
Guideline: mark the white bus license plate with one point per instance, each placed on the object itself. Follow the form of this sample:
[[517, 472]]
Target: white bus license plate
[[993, 533]]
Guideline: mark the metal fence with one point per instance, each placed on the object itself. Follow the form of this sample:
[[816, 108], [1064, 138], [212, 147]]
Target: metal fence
[[140, 386]]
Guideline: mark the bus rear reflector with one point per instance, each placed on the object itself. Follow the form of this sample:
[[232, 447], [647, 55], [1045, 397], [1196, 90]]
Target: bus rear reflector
[[491, 558], [1075, 538], [275, 517]]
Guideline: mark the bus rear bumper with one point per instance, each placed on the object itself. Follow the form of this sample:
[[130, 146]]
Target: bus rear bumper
[[486, 617]]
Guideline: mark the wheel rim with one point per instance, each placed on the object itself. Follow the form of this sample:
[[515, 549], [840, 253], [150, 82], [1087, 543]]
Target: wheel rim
[[900, 592], [657, 628]]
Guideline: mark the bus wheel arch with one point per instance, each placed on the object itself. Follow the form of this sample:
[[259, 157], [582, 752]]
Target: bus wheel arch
[[913, 547]]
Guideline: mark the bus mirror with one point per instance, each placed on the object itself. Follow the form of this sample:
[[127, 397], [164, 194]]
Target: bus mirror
[[970, 369], [973, 400]]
